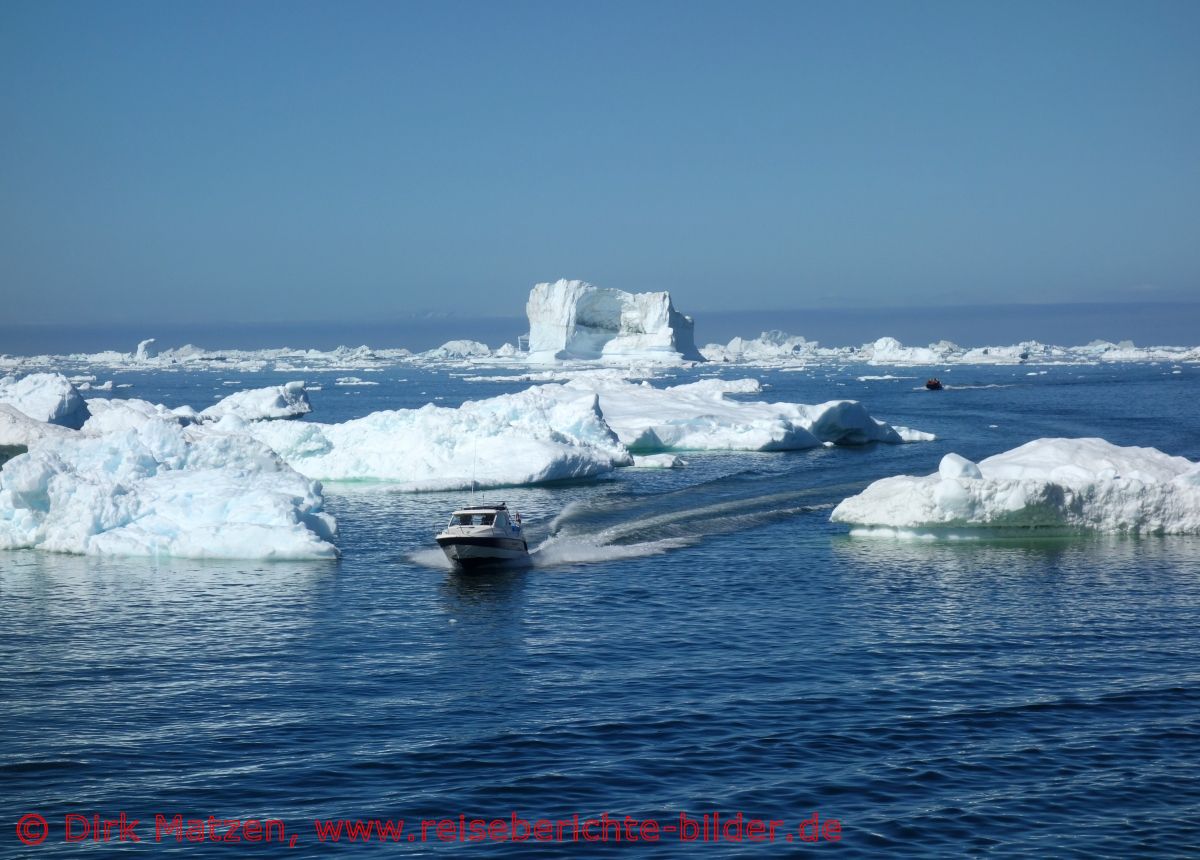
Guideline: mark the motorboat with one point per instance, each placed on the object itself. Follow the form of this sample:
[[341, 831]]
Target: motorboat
[[933, 384], [483, 534]]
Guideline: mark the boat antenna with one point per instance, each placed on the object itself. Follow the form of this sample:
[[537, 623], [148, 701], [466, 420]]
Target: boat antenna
[[474, 457]]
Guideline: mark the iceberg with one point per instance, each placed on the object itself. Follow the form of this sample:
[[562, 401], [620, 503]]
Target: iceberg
[[700, 416], [528, 437], [576, 320], [888, 350], [279, 401], [1070, 485], [770, 345], [49, 397], [150, 486], [458, 349]]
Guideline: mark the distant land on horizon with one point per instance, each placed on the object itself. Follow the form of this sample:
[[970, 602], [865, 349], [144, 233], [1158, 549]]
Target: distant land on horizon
[[1065, 324]]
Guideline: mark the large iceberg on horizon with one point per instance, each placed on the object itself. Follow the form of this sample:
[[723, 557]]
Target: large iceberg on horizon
[[1055, 484], [151, 486], [576, 320]]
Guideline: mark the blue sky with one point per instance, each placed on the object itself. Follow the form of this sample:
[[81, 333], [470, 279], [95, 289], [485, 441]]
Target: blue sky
[[302, 161]]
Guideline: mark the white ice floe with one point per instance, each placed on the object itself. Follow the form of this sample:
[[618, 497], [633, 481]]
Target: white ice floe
[[137, 482], [458, 349], [576, 320], [776, 349], [353, 380], [769, 346], [658, 461], [1064, 484], [45, 397], [541, 434], [278, 401], [699, 416]]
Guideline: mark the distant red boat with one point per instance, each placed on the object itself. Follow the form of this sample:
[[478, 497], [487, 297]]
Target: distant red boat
[[933, 384]]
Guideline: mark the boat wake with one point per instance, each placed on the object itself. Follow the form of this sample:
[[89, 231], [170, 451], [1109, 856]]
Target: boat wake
[[632, 525], [620, 525]]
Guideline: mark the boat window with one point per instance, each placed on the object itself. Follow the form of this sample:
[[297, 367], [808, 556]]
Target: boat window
[[488, 519], [464, 519]]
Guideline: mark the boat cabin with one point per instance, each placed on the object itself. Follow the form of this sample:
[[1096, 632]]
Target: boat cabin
[[483, 516]]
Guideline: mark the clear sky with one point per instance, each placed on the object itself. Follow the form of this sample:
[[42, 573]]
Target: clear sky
[[184, 161]]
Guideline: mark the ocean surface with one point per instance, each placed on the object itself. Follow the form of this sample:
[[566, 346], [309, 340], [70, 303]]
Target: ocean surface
[[685, 642]]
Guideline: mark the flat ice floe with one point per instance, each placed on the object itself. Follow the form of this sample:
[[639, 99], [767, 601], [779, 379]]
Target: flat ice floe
[[529, 437], [1056, 484], [700, 416], [138, 482]]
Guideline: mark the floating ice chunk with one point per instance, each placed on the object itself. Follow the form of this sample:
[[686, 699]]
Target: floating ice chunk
[[145, 350], [87, 386], [888, 350], [701, 416], [528, 437], [456, 349], [770, 345], [150, 486], [576, 320], [353, 380], [46, 397], [1068, 484], [279, 401], [658, 461]]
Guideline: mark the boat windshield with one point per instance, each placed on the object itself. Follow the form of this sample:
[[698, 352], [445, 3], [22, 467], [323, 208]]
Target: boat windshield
[[472, 519]]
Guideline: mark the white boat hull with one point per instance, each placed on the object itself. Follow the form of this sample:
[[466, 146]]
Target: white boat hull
[[475, 551]]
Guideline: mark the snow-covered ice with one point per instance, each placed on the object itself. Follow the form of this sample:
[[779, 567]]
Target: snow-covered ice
[[576, 320], [699, 416], [458, 349], [139, 482], [1066, 484], [353, 380], [776, 349], [18, 430], [658, 461], [528, 437], [770, 345], [278, 401], [49, 397]]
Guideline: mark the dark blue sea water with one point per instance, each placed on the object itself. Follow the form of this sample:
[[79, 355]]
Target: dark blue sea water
[[690, 641]]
